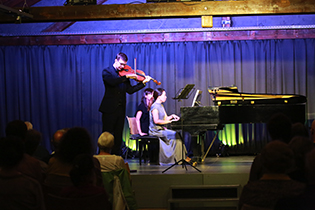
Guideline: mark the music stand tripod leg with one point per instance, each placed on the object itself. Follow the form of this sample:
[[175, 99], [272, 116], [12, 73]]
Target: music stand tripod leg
[[184, 162], [204, 157]]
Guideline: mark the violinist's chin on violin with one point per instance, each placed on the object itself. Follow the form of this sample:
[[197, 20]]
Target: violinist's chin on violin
[[137, 75]]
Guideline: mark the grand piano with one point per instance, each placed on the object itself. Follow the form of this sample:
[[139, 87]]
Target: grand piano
[[232, 106]]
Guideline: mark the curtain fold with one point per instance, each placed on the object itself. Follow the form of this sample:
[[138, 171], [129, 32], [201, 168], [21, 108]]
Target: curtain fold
[[61, 86]]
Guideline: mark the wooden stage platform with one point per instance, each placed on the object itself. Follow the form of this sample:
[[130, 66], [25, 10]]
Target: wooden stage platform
[[153, 188]]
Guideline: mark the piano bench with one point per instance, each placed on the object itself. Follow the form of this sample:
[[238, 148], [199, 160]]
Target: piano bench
[[210, 196]]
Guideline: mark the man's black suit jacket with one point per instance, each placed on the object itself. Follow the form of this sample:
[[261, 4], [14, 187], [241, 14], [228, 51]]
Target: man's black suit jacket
[[116, 88]]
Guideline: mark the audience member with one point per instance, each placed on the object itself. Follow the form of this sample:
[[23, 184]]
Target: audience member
[[307, 200], [16, 128], [31, 143], [275, 184], [55, 141], [299, 129], [17, 191], [108, 161], [114, 166], [83, 178], [74, 142], [29, 166], [279, 128], [300, 146]]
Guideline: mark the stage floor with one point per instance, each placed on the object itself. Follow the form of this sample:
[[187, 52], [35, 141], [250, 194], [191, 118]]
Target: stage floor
[[152, 187], [231, 164]]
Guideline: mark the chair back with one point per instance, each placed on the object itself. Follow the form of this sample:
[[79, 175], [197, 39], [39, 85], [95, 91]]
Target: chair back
[[118, 186], [132, 125]]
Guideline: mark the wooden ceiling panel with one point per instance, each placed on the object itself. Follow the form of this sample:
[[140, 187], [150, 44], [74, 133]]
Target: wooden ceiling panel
[[163, 10]]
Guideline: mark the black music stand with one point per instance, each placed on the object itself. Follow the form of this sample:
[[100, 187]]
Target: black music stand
[[183, 161], [185, 92]]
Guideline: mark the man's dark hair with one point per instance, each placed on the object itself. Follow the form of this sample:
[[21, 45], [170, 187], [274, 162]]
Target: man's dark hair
[[16, 128], [279, 127], [122, 56], [74, 142], [11, 151]]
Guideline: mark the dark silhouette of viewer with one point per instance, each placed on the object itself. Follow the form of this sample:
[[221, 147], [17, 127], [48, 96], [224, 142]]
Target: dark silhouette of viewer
[[83, 178], [17, 191], [279, 128], [275, 184]]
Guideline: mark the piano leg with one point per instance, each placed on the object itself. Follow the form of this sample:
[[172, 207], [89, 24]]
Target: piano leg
[[204, 157]]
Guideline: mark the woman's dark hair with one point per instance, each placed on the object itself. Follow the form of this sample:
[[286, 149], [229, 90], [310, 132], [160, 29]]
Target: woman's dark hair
[[83, 169], [144, 100], [74, 142], [158, 92]]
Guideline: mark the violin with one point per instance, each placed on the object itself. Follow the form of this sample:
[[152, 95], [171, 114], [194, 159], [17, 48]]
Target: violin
[[140, 74]]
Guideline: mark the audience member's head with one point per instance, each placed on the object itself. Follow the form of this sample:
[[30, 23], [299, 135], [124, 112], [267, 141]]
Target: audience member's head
[[299, 129], [32, 141], [16, 128], [279, 127], [277, 157], [105, 141], [300, 146], [57, 137], [29, 125], [74, 142], [83, 170], [11, 152]]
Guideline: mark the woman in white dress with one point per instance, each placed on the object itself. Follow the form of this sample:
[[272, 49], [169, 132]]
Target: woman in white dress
[[171, 146]]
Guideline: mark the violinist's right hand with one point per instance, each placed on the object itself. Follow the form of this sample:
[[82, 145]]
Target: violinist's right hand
[[131, 76]]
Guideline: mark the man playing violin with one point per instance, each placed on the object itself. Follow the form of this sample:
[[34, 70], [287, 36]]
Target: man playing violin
[[113, 105]]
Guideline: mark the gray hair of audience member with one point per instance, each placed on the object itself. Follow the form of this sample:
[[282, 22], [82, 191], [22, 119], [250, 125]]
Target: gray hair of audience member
[[11, 151], [279, 127], [277, 157], [105, 141], [29, 125]]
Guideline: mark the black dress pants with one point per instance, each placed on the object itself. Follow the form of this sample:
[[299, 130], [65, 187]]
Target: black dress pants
[[113, 122]]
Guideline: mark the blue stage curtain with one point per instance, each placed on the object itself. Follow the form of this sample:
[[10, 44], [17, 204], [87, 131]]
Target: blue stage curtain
[[61, 86]]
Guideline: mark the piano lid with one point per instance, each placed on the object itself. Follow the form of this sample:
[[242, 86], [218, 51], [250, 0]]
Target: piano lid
[[230, 95]]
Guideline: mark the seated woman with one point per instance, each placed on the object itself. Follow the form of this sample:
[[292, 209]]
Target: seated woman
[[142, 120], [142, 115], [171, 146], [83, 178], [108, 161], [112, 166]]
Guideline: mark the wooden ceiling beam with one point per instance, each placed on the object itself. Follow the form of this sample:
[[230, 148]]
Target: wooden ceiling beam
[[165, 10], [20, 3], [61, 26], [158, 37]]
